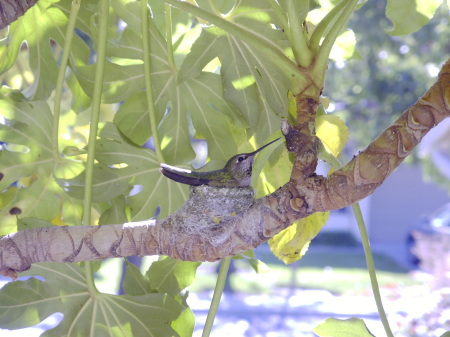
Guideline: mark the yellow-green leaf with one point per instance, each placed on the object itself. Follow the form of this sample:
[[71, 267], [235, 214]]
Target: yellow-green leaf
[[342, 328], [408, 16], [292, 243], [271, 170], [292, 106], [333, 133], [344, 47]]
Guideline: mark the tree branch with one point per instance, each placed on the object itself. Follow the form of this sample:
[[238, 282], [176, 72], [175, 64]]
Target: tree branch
[[219, 222], [11, 10]]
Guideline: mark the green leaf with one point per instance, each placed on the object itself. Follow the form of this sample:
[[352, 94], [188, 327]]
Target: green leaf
[[134, 283], [128, 11], [28, 161], [352, 327], [25, 303], [271, 170], [247, 73], [41, 24], [80, 101], [70, 151], [204, 101], [137, 284], [408, 16], [133, 119], [203, 50], [142, 170], [171, 276], [28, 125], [119, 82], [116, 214], [292, 243], [181, 20], [258, 266], [27, 223], [107, 184], [446, 334], [178, 100], [345, 47], [185, 323], [301, 7]]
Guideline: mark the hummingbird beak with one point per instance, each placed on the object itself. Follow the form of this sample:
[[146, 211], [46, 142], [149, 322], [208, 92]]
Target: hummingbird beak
[[263, 147]]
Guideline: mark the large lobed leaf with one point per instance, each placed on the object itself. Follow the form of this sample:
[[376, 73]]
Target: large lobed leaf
[[408, 16], [28, 166], [142, 170], [171, 276], [41, 27], [26, 303], [252, 82]]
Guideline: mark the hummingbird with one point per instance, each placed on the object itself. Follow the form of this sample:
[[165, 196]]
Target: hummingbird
[[237, 172]]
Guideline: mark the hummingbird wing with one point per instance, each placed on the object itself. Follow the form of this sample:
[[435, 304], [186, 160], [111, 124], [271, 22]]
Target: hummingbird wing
[[183, 176]]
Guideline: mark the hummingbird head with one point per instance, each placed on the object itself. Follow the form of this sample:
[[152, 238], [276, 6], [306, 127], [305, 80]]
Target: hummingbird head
[[240, 166]]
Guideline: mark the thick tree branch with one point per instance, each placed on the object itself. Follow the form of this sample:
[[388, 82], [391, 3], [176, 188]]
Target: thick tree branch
[[366, 171], [218, 222], [10, 10]]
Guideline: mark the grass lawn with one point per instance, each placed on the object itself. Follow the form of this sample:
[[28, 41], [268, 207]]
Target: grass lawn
[[338, 269], [335, 271]]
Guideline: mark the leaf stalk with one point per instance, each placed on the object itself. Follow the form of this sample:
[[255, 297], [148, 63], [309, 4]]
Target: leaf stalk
[[324, 24], [148, 78], [335, 164], [170, 57], [302, 53], [281, 16], [325, 49], [371, 268], [93, 129], [75, 7], [218, 290]]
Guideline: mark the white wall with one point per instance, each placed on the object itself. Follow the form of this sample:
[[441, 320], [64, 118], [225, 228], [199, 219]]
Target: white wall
[[400, 202]]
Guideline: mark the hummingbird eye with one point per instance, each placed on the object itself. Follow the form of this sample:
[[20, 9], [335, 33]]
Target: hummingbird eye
[[241, 158]]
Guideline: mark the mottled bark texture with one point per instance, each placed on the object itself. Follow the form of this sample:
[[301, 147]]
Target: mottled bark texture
[[215, 223], [10, 10]]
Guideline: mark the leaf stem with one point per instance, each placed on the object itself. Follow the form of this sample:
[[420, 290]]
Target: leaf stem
[[213, 7], [148, 79], [218, 290], [335, 164], [266, 46], [95, 114], [302, 53], [170, 57], [371, 268], [61, 74], [281, 16], [328, 42], [323, 25]]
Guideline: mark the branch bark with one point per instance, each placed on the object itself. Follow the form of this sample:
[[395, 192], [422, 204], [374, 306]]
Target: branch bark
[[215, 223], [10, 10]]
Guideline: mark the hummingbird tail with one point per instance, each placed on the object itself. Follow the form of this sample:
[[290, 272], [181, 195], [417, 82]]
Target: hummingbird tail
[[181, 176]]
